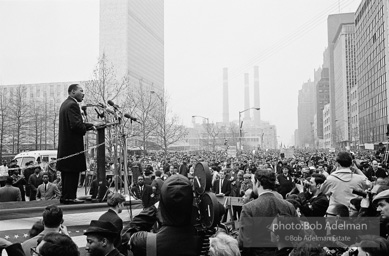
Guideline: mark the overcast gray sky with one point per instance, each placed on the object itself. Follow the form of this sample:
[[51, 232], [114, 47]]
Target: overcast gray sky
[[57, 41]]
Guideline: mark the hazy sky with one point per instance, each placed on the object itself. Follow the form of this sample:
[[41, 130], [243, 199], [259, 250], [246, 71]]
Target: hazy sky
[[58, 41]]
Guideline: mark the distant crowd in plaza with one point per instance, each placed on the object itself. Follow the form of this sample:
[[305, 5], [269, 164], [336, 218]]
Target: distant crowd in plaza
[[310, 185]]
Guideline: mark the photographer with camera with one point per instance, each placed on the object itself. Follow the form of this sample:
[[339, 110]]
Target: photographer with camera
[[314, 203], [52, 221]]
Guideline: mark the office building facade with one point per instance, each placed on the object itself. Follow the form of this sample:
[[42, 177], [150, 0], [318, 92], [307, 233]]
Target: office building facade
[[371, 21], [132, 40], [344, 79], [306, 114]]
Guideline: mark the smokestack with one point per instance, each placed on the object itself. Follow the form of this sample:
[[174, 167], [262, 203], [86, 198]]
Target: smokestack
[[226, 112], [257, 113], [246, 96]]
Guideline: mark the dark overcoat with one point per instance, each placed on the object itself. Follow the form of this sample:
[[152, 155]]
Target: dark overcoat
[[70, 137]]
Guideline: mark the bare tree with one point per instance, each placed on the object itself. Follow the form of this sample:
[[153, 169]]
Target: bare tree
[[36, 126], [233, 130], [103, 87], [168, 131], [20, 111], [53, 120], [144, 107], [213, 131], [4, 109]]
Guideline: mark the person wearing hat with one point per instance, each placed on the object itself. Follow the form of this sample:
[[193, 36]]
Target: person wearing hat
[[177, 235], [382, 201], [100, 238]]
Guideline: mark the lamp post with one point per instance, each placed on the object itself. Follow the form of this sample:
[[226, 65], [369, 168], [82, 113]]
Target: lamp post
[[207, 119], [240, 126]]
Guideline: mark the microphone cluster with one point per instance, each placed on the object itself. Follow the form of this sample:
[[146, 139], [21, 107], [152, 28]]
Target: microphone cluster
[[113, 105]]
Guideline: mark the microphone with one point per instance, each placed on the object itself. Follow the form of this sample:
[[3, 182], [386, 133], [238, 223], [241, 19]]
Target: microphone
[[110, 111], [84, 110], [99, 105], [110, 102], [130, 117], [99, 115]]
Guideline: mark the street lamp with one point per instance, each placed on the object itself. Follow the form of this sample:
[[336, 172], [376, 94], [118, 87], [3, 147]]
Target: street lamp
[[240, 126], [207, 119]]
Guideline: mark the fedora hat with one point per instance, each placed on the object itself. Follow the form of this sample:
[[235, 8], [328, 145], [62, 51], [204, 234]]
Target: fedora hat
[[101, 227]]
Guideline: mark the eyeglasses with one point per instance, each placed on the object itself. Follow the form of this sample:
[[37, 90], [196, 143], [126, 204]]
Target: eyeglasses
[[34, 252]]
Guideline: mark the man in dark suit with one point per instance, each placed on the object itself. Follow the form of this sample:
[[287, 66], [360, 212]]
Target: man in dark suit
[[70, 141], [254, 235], [156, 185], [143, 192], [184, 169], [115, 202], [9, 193], [222, 185], [34, 181]]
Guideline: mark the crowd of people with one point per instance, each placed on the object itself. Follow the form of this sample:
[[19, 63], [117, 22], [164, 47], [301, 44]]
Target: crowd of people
[[31, 182], [308, 186]]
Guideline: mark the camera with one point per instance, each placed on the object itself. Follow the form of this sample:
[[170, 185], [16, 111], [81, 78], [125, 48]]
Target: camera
[[307, 184]]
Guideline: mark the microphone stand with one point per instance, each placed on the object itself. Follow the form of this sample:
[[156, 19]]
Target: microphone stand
[[125, 163], [126, 191]]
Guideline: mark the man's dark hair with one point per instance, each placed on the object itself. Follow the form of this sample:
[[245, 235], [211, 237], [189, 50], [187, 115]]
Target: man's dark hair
[[344, 159], [45, 173], [36, 229], [319, 178], [52, 216], [9, 180], [58, 244], [341, 210], [158, 173], [375, 245], [72, 87], [266, 178]]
